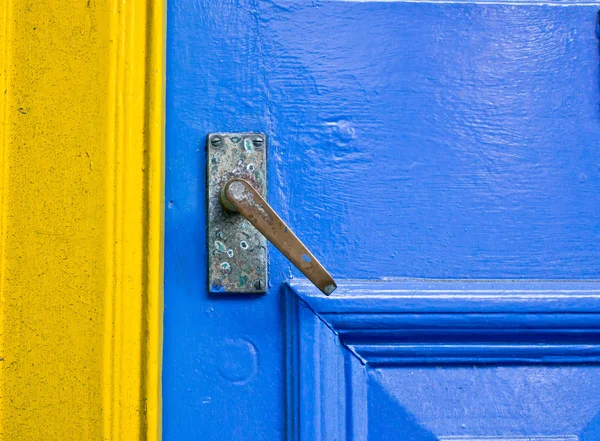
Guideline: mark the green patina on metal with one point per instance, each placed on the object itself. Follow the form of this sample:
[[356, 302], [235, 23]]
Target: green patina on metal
[[237, 252]]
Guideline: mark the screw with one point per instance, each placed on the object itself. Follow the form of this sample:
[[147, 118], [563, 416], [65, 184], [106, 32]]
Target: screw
[[257, 141], [259, 285], [216, 141]]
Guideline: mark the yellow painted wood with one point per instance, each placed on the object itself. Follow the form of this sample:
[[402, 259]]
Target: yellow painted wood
[[81, 226]]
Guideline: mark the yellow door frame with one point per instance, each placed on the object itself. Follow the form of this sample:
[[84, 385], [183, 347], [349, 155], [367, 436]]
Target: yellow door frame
[[82, 114]]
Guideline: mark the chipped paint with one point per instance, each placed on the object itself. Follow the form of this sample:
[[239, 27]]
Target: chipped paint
[[231, 236]]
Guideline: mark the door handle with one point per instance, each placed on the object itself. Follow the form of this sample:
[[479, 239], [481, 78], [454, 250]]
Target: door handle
[[239, 196]]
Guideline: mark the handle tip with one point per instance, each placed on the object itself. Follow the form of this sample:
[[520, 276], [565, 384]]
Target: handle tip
[[329, 289]]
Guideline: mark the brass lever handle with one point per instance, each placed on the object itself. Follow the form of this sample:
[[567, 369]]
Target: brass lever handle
[[238, 195]]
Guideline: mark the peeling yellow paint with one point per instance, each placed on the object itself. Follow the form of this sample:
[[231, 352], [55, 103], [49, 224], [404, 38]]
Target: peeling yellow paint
[[81, 226]]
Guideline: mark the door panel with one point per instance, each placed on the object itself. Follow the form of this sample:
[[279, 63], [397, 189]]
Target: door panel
[[435, 360], [406, 139]]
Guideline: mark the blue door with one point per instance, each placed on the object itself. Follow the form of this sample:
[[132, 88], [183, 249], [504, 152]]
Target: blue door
[[442, 160]]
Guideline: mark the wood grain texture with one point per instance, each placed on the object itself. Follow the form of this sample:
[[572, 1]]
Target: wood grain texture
[[81, 235], [407, 139]]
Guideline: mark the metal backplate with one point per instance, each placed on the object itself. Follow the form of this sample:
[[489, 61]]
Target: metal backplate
[[237, 252]]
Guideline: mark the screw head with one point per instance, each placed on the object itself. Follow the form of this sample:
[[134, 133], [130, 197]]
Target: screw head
[[258, 141], [216, 141], [259, 285]]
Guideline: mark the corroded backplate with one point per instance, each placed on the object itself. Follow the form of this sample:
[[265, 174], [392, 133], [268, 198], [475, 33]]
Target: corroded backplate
[[237, 252]]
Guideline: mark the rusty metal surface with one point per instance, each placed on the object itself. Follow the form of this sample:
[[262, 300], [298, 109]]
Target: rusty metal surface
[[237, 252], [239, 195]]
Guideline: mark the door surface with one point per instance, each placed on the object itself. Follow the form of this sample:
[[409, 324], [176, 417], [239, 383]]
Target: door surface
[[444, 156]]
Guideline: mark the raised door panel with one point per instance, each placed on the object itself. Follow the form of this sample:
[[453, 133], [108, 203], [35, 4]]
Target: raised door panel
[[422, 360]]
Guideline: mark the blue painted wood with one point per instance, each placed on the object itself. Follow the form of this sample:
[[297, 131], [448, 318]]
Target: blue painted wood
[[407, 139], [485, 383], [463, 322]]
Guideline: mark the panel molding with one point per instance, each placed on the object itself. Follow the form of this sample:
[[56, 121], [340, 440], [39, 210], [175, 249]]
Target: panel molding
[[422, 323], [135, 208]]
